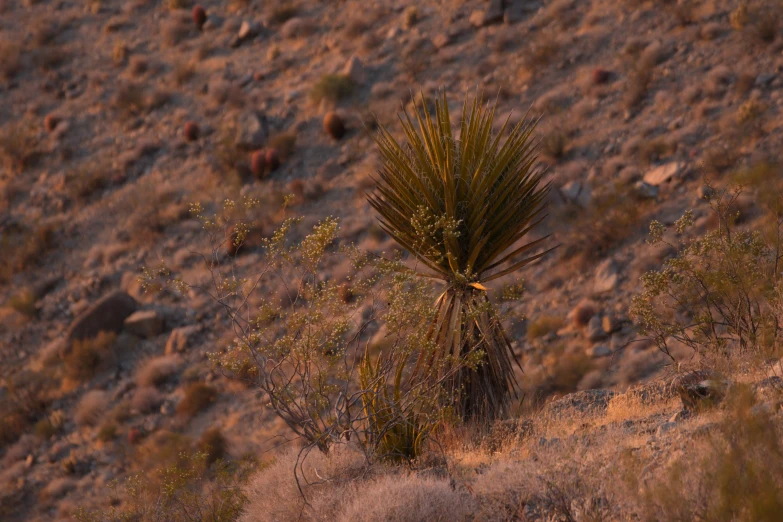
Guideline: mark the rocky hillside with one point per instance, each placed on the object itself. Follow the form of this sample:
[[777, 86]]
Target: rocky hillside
[[117, 116]]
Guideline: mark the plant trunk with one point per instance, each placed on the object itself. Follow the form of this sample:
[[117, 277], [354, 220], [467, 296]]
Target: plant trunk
[[471, 355]]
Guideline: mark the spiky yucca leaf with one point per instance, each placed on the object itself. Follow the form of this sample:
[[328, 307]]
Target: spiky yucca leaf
[[460, 205]]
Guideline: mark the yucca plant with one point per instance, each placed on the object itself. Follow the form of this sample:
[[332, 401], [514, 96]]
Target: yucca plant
[[396, 428], [460, 203]]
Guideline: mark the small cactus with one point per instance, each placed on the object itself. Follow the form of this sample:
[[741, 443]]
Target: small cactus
[[258, 163], [272, 159], [334, 126], [199, 16], [50, 122], [191, 131]]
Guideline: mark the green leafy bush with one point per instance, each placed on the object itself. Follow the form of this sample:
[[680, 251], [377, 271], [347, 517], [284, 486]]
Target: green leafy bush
[[722, 294]]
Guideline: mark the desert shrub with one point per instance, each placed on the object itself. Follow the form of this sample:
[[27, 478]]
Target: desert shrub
[[146, 399], [86, 357], [283, 12], [18, 144], [158, 370], [613, 215], [198, 397], [544, 325], [91, 408], [734, 474], [50, 425], [10, 58], [107, 432], [188, 491], [332, 87], [722, 294], [554, 145], [25, 247], [213, 445], [318, 491], [408, 498], [24, 303]]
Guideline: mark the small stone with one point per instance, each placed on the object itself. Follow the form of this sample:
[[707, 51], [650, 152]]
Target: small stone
[[764, 79], [252, 130], [663, 173], [600, 350], [606, 277], [442, 40], [665, 428], [50, 122], [180, 339], [645, 191], [611, 323], [493, 14], [577, 193], [248, 30], [191, 131], [29, 461], [595, 331], [145, 323], [680, 416], [354, 69]]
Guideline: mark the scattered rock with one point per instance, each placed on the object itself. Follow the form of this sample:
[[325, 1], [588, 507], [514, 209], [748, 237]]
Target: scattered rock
[[354, 69], [595, 330], [145, 323], [493, 14], [611, 323], [442, 40], [252, 130], [606, 277], [334, 126], [663, 173], [29, 461], [191, 131], [680, 416], [297, 28], [665, 428], [577, 193], [180, 339], [248, 30], [587, 401], [106, 315], [645, 191], [600, 350]]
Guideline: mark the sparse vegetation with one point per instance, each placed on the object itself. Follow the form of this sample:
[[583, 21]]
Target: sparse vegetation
[[198, 397], [85, 358], [333, 88]]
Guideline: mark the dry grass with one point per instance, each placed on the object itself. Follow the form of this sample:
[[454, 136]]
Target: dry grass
[[408, 498], [157, 371], [544, 325], [87, 357], [10, 59], [91, 408], [146, 399], [333, 88], [18, 144], [198, 397]]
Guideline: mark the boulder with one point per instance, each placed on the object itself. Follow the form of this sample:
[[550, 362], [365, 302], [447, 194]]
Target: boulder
[[108, 314], [180, 339], [493, 14], [576, 193], [595, 329], [606, 277], [354, 69], [144, 323], [252, 130], [600, 350], [663, 173]]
